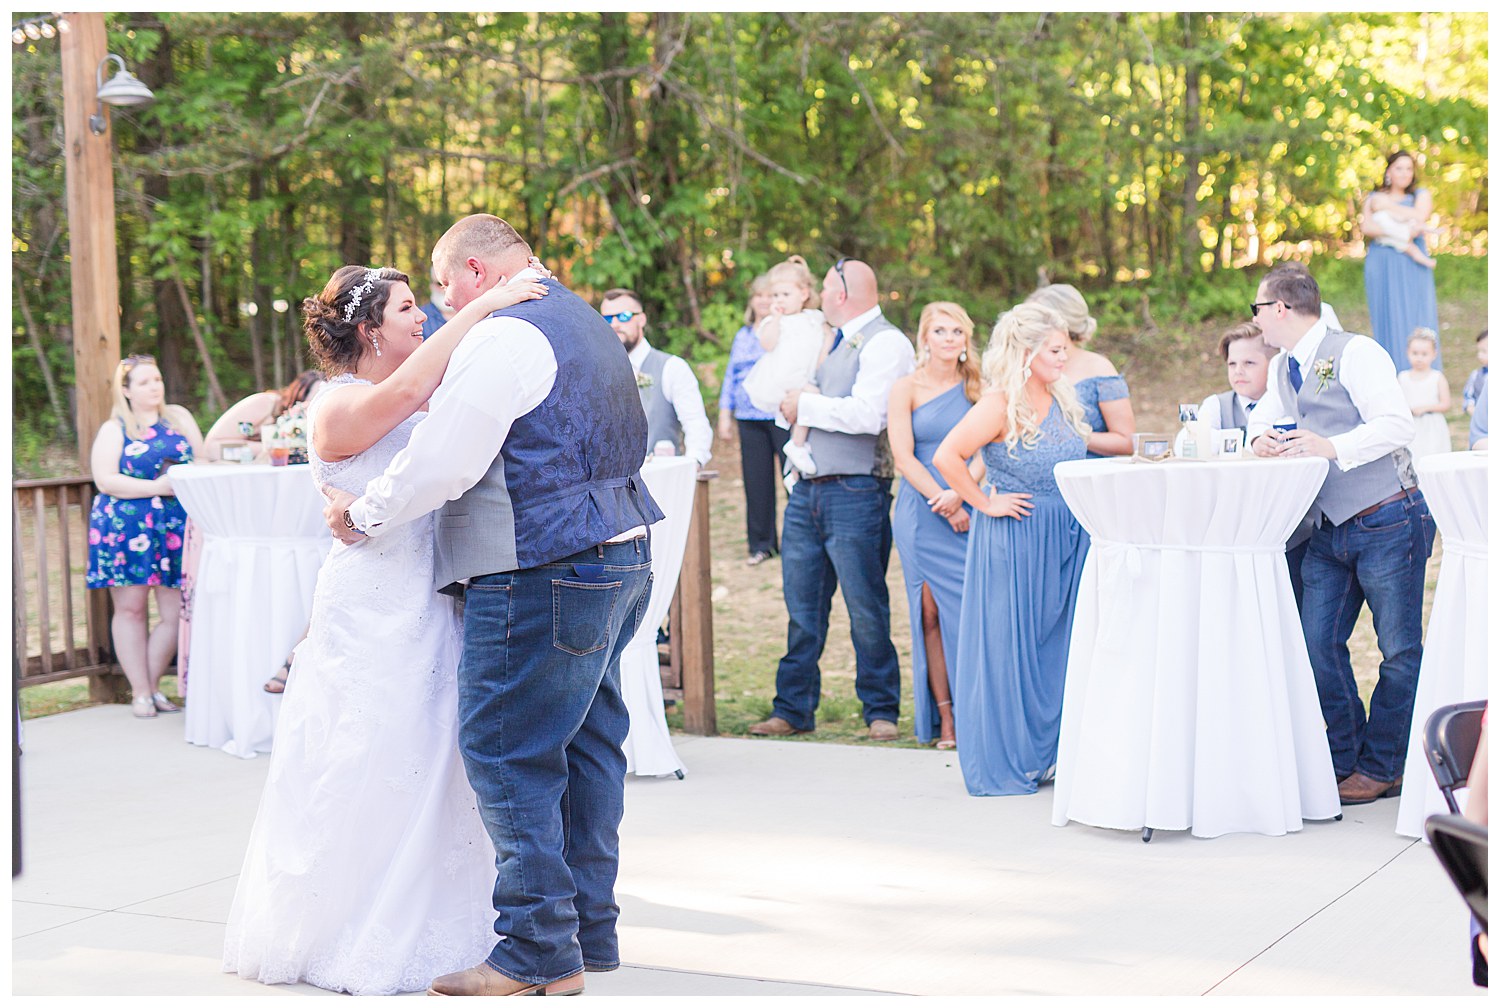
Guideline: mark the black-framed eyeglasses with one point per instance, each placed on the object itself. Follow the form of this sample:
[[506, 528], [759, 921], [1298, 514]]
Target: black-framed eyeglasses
[[624, 316], [838, 268], [1256, 306]]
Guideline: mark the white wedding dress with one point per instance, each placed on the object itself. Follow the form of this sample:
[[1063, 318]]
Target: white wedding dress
[[369, 870]]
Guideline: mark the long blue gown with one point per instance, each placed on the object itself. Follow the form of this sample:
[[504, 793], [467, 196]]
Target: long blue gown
[[1020, 583], [931, 553], [1092, 392], [1402, 295]]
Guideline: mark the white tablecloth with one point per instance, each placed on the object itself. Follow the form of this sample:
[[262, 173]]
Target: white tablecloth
[[1455, 652], [1189, 701], [263, 543], [648, 748]]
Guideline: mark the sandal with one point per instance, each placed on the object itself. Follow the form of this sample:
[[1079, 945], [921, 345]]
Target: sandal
[[946, 743], [143, 706], [162, 704], [277, 683]]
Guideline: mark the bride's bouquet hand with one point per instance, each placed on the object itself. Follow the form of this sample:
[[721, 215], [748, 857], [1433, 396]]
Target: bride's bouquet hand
[[505, 295]]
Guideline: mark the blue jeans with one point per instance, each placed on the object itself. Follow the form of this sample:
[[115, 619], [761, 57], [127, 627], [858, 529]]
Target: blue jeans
[[541, 725], [1380, 559], [837, 531]]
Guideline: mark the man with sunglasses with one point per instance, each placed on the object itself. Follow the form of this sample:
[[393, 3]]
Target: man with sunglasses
[[1368, 533], [836, 531], [669, 390]]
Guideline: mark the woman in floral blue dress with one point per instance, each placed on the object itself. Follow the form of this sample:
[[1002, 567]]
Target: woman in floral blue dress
[[136, 526]]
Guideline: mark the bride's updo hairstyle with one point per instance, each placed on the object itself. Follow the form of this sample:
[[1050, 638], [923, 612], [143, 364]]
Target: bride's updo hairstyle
[[354, 296]]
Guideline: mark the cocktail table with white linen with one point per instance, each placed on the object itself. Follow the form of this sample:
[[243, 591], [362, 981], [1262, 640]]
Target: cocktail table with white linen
[[1455, 651], [1190, 702], [263, 543]]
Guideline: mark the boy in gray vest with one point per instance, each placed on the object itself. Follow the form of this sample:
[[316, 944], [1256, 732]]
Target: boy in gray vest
[[1368, 532], [1247, 360]]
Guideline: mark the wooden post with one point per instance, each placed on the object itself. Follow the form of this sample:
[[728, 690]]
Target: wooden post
[[89, 171], [695, 586]]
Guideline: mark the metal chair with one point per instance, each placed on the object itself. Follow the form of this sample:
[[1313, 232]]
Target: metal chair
[[1449, 739]]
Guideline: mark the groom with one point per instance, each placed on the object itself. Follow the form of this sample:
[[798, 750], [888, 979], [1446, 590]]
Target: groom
[[531, 454]]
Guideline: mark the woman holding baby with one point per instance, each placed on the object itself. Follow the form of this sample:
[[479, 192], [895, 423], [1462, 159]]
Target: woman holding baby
[[1398, 269]]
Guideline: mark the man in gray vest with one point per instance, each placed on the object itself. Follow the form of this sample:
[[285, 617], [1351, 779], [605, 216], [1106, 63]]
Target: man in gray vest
[[669, 390], [836, 532], [531, 455], [1368, 532]]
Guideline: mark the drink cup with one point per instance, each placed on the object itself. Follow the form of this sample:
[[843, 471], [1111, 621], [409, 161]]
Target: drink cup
[[1285, 424], [280, 452]]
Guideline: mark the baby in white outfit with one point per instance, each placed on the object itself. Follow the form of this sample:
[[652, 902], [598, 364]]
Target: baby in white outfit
[[795, 340]]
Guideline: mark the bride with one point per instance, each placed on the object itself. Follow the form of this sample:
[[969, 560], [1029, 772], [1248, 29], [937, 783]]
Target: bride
[[369, 870]]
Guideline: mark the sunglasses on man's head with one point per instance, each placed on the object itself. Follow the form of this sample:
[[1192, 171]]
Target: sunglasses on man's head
[[624, 316], [838, 268]]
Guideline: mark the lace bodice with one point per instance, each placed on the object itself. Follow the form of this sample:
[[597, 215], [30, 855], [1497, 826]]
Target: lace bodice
[[1030, 469], [351, 474]]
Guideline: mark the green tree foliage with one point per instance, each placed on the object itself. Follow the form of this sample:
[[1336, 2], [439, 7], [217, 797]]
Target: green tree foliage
[[1138, 155]]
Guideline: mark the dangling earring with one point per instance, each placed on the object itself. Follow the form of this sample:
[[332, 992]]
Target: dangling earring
[[963, 355], [375, 343], [1026, 373]]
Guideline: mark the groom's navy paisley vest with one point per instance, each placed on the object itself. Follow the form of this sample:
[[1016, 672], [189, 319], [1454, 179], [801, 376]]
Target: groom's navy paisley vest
[[568, 475], [1325, 408]]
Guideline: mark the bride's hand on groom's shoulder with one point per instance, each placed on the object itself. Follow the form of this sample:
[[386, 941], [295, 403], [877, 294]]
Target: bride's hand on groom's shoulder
[[505, 295]]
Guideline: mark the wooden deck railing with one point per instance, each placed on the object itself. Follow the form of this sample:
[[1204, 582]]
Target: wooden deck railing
[[687, 673], [61, 629]]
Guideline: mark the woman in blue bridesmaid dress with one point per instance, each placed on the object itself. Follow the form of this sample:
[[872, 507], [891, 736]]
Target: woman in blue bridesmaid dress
[[930, 524], [1101, 390], [1025, 559], [1400, 290]]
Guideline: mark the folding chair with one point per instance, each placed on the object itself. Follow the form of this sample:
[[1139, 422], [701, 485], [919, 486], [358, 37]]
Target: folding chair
[[1449, 738]]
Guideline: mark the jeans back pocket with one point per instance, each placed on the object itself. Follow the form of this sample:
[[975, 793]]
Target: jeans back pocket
[[582, 612]]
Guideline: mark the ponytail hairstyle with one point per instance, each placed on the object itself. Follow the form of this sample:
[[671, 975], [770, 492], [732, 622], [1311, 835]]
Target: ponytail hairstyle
[[968, 367], [1018, 337], [794, 270], [354, 296]]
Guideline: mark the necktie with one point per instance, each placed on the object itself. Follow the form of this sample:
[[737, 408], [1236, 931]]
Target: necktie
[[1295, 371], [838, 337], [1250, 407]]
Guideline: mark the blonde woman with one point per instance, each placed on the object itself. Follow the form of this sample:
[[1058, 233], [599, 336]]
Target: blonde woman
[[1025, 555], [1102, 392], [931, 522], [136, 526]]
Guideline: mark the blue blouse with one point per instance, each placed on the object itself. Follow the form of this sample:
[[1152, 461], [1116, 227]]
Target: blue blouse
[[743, 354]]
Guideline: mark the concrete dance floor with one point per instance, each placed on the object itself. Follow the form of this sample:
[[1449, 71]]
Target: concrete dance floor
[[775, 868]]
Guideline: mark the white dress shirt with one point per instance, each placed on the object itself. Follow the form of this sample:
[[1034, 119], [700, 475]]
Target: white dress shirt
[[680, 387], [1208, 412], [887, 356], [1369, 376], [501, 371]]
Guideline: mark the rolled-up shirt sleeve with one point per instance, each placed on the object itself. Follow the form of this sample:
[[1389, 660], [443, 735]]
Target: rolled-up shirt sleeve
[[501, 371], [680, 386], [1369, 376], [888, 357]]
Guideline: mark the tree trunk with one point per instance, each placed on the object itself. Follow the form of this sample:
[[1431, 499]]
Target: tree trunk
[[59, 408], [1191, 244], [257, 324], [216, 402]]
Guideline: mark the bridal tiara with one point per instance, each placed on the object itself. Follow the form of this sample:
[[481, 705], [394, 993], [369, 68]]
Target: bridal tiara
[[371, 275]]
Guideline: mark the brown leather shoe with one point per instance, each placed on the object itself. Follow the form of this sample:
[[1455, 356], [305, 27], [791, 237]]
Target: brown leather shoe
[[486, 981], [1357, 789], [882, 731], [777, 726]]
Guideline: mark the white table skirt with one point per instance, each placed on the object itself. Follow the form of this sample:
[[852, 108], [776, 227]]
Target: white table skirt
[[263, 543], [1455, 652], [1189, 701], [648, 747]]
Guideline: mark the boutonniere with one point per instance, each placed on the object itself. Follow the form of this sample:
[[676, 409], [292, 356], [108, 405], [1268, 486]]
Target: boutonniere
[[857, 340], [1323, 369], [643, 380]]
